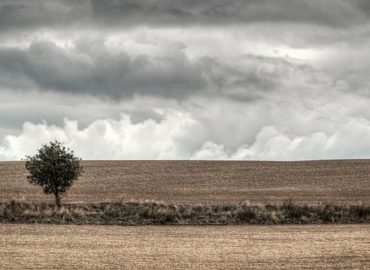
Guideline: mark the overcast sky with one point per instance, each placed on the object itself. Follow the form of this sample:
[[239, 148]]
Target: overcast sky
[[186, 79]]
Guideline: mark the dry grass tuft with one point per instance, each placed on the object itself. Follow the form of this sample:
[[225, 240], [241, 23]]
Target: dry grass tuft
[[154, 213]]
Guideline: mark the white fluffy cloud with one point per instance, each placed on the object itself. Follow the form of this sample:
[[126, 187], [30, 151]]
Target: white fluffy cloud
[[181, 136], [109, 139], [349, 141]]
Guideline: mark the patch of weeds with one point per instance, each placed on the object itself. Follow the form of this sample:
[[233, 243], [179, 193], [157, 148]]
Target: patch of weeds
[[295, 212], [246, 214]]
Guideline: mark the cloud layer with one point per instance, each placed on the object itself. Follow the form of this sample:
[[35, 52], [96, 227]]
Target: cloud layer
[[85, 68], [175, 79], [178, 136], [25, 15]]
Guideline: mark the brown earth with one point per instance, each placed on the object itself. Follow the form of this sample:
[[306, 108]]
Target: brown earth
[[225, 247], [337, 181]]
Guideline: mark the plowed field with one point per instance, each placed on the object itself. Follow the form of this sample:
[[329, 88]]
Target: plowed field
[[226, 247], [336, 181]]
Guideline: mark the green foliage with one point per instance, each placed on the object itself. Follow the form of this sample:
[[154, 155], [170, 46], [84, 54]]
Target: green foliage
[[54, 168]]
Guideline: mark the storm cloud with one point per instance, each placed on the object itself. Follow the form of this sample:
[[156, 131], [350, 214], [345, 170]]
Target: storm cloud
[[26, 15], [86, 69], [48, 67], [266, 79]]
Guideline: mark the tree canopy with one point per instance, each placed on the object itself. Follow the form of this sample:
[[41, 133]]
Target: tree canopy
[[54, 168]]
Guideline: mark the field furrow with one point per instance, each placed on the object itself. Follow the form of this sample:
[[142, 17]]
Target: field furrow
[[206, 182], [179, 247]]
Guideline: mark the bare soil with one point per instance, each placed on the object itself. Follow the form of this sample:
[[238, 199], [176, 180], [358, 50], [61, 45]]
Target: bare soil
[[203, 182], [207, 247]]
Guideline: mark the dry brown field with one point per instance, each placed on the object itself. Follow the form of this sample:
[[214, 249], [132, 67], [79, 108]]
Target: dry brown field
[[191, 247], [160, 247], [346, 181]]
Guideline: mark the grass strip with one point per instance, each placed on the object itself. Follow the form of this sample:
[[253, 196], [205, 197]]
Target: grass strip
[[155, 213]]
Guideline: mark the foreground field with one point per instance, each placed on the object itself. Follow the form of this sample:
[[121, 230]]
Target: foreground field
[[205, 182], [226, 247]]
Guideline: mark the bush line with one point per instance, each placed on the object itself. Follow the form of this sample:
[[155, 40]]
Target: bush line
[[154, 213]]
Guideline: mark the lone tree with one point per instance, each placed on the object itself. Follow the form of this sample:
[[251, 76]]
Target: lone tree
[[54, 168]]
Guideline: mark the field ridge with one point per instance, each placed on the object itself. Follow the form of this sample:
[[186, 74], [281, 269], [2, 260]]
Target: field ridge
[[154, 213]]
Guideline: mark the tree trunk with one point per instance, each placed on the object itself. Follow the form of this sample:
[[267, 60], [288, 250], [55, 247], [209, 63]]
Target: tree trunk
[[57, 199]]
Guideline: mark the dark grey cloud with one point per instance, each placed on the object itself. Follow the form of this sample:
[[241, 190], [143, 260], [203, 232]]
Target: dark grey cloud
[[30, 14], [215, 12], [247, 83], [98, 71], [45, 66], [364, 6]]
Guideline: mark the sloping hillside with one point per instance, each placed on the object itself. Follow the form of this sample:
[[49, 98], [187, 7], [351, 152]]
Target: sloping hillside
[[337, 181]]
